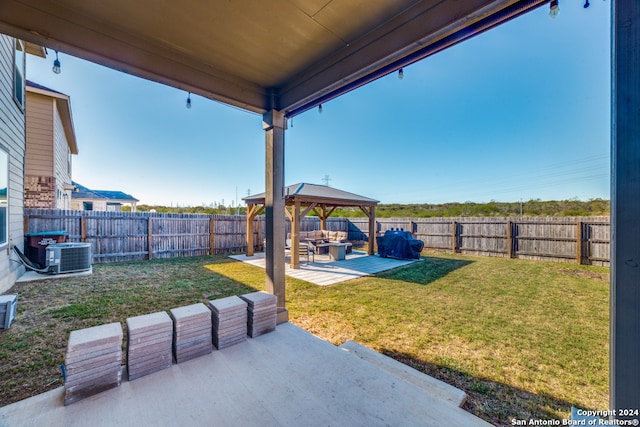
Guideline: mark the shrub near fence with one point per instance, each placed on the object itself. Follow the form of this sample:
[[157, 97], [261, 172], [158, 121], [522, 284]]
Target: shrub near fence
[[125, 236]]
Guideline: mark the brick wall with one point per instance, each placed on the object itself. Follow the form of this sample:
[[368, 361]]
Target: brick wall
[[39, 192]]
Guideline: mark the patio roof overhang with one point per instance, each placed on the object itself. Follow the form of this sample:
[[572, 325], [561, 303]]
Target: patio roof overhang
[[260, 55], [280, 59], [304, 198]]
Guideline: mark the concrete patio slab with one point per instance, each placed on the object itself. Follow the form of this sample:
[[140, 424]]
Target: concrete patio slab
[[285, 378], [325, 271], [438, 388], [31, 276]]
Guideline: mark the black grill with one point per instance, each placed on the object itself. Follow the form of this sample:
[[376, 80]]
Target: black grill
[[399, 244]]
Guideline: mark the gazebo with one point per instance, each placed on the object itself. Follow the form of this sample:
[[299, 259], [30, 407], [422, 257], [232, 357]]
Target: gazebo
[[302, 198]]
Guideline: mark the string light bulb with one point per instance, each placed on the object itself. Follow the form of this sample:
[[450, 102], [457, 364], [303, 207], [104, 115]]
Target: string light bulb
[[586, 4], [400, 74], [320, 108], [189, 100], [554, 8], [56, 65]]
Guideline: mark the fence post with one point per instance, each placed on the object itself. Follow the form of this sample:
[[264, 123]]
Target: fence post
[[211, 235], [454, 237], [509, 239], [579, 242], [83, 229], [411, 226], [149, 238]]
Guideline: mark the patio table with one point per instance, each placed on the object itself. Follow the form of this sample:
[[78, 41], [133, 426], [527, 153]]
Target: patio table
[[337, 251]]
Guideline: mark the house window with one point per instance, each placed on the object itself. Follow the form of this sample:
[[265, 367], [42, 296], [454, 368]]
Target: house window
[[4, 196], [113, 207], [19, 59], [87, 206]]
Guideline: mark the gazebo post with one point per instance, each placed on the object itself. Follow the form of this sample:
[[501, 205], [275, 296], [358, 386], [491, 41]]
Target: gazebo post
[[295, 235], [323, 218], [250, 216], [274, 123], [372, 230], [252, 211]]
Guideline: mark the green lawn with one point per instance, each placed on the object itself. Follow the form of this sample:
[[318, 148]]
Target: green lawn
[[525, 339]]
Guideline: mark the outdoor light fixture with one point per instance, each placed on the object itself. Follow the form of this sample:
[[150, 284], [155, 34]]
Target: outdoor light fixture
[[189, 100], [320, 108], [56, 65], [400, 74], [554, 9]]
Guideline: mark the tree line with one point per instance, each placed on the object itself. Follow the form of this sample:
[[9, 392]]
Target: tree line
[[537, 207]]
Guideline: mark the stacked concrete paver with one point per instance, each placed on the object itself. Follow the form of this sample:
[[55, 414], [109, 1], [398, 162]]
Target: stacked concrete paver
[[261, 311], [93, 361], [149, 344], [191, 332], [229, 320]]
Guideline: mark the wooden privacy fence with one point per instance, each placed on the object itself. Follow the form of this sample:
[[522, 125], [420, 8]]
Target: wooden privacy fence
[[583, 240], [125, 236]]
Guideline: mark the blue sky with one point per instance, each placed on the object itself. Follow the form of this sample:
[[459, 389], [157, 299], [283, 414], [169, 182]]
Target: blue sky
[[519, 112]]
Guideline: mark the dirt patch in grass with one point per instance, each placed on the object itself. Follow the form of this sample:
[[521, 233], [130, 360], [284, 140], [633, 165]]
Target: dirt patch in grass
[[588, 274], [492, 401]]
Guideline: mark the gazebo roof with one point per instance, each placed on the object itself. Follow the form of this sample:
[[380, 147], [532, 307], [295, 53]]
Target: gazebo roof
[[313, 193]]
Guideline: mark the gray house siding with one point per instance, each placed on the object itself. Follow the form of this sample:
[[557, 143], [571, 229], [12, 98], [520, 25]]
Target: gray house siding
[[12, 140]]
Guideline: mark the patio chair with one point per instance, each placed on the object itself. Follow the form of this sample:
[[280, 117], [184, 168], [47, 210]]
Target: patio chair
[[305, 250]]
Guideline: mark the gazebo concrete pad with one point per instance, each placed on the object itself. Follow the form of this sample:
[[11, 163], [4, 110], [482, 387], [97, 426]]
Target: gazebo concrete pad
[[324, 271]]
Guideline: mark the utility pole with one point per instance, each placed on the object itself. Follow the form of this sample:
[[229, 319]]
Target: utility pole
[[520, 207], [326, 180]]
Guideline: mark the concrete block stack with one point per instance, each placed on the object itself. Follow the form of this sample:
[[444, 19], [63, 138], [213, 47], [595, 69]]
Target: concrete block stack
[[93, 361], [261, 312], [191, 332], [149, 344], [229, 320]]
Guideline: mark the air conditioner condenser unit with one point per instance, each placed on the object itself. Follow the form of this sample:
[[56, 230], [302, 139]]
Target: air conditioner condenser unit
[[68, 257]]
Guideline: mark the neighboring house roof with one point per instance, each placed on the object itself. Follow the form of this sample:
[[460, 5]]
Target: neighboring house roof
[[83, 192], [64, 108], [322, 193]]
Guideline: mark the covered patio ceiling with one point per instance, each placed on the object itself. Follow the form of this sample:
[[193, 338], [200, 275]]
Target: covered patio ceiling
[[256, 55]]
